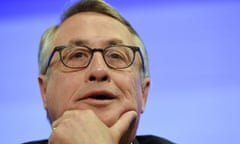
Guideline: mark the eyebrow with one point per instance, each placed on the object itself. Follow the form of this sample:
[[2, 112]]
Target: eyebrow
[[80, 42]]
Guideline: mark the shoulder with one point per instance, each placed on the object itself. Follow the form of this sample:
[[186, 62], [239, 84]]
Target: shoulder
[[151, 139], [37, 142], [143, 139]]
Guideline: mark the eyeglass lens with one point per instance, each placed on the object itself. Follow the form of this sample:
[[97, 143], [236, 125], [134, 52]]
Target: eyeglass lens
[[116, 56]]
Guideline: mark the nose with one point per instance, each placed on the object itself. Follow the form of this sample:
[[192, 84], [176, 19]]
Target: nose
[[97, 69]]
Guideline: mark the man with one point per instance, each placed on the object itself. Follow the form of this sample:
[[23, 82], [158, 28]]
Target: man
[[94, 78]]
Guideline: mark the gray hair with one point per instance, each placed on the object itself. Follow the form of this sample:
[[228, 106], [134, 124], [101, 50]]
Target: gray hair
[[97, 6]]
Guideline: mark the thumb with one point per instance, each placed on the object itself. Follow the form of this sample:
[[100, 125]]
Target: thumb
[[123, 124]]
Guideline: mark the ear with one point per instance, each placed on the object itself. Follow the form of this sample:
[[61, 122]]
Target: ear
[[43, 89], [145, 89]]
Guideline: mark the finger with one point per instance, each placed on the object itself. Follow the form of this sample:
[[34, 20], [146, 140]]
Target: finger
[[50, 139], [123, 124], [55, 123], [64, 116]]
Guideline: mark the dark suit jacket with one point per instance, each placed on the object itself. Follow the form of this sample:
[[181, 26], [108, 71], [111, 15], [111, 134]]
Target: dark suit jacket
[[145, 139]]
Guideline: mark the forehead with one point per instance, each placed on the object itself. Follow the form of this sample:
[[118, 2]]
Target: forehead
[[92, 28]]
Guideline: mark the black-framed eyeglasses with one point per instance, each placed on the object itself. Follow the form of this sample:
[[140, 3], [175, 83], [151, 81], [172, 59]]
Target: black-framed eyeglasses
[[115, 57]]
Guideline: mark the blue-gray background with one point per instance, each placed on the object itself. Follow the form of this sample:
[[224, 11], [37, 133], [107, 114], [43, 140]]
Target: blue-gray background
[[194, 49]]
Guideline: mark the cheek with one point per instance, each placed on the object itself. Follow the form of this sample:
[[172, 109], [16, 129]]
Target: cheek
[[59, 91], [132, 92]]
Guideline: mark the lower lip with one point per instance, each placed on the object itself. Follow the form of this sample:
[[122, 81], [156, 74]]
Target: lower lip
[[96, 102]]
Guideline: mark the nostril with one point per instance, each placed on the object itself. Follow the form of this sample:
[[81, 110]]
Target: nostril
[[104, 78], [98, 74], [92, 78]]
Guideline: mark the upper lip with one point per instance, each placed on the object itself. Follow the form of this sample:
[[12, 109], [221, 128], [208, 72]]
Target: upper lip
[[99, 95]]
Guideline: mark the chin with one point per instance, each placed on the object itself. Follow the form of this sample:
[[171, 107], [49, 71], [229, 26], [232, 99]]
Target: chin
[[108, 118]]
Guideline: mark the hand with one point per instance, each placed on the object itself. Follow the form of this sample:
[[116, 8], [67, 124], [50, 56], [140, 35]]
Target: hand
[[84, 127]]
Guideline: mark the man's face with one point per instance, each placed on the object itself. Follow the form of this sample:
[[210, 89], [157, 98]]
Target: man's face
[[108, 92]]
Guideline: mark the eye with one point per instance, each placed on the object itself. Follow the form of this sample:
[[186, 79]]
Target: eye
[[115, 56], [77, 55]]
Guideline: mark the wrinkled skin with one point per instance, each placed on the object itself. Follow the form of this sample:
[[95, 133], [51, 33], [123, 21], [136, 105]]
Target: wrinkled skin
[[75, 117]]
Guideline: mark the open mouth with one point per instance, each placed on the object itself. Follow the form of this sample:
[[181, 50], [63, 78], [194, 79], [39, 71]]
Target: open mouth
[[101, 97], [98, 98]]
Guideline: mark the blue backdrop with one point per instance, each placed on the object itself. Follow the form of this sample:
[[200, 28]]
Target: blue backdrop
[[194, 50]]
